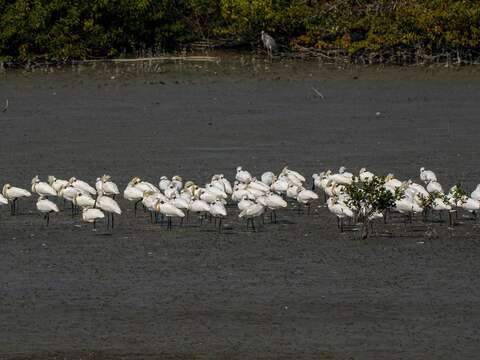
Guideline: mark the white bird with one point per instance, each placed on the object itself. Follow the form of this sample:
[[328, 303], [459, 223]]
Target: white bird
[[340, 210], [293, 175], [244, 203], [169, 210], [268, 178], [392, 184], [469, 204], [292, 191], [199, 207], [91, 215], [258, 185], [306, 197], [3, 200], [439, 205], [143, 185], [226, 184], [132, 193], [109, 206], [251, 212], [434, 187], [218, 183], [343, 171], [171, 191], [341, 179], [243, 175], [274, 202], [68, 192], [218, 211], [365, 175], [83, 200], [42, 188], [56, 184], [207, 196], [12, 194], [164, 183], [427, 175], [82, 185], [177, 181], [280, 186], [46, 207], [408, 206], [107, 186], [238, 194], [476, 193]]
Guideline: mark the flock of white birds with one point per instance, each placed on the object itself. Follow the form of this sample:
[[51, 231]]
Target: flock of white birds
[[173, 198]]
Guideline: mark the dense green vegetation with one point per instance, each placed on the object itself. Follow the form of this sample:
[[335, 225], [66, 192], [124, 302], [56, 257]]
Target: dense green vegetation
[[399, 31]]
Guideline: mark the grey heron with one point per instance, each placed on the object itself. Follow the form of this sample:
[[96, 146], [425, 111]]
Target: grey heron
[[269, 43]]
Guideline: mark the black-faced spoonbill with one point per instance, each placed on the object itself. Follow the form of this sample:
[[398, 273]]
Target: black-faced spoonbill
[[46, 207], [12, 194]]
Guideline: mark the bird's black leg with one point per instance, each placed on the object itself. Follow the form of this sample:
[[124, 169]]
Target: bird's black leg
[[220, 225], [48, 219], [112, 220], [135, 209]]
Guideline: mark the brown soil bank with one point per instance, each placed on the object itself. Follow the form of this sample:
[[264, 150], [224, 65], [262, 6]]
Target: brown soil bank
[[297, 289]]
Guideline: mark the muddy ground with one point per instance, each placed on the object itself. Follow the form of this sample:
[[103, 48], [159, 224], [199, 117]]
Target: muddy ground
[[297, 289]]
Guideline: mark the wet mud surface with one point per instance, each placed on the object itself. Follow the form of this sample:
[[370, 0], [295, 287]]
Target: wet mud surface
[[296, 289]]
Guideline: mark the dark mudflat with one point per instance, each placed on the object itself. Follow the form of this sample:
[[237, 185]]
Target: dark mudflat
[[297, 289]]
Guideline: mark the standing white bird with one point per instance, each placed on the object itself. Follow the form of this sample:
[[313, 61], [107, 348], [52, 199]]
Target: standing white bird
[[68, 192], [251, 212], [46, 207], [83, 200], [218, 211], [91, 215], [42, 188], [12, 194], [107, 186], [244, 203], [340, 210], [200, 207], [132, 193], [306, 197], [169, 210], [108, 205], [274, 202]]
